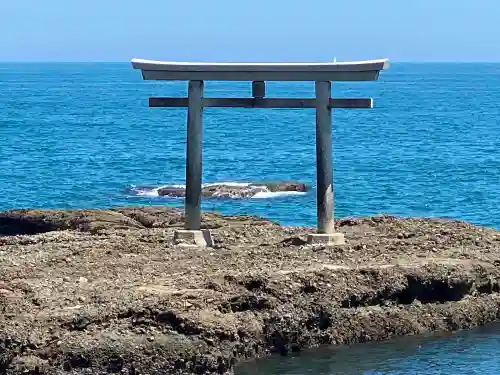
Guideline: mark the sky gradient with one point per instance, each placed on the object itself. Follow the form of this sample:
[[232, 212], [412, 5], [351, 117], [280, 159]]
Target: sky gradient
[[257, 30]]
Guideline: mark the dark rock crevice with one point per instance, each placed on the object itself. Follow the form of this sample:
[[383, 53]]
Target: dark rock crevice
[[425, 289], [249, 302]]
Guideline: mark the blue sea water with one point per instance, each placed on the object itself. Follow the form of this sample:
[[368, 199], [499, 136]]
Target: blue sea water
[[82, 136], [472, 352]]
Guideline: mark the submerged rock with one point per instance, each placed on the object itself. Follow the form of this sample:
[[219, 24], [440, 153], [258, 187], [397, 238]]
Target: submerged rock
[[236, 190]]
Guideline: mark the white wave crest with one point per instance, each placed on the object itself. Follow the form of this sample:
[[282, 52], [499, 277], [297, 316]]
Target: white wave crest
[[145, 192], [276, 194]]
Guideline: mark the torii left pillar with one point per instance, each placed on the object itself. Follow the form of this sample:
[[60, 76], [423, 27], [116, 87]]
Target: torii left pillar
[[326, 234], [192, 234]]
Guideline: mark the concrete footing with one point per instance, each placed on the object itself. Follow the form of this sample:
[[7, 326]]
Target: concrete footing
[[330, 239], [193, 238]]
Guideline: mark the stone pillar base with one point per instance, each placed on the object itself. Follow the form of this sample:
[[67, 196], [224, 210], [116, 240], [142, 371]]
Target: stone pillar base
[[330, 239], [193, 238]]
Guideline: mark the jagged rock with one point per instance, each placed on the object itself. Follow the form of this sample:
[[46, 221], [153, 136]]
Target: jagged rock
[[19, 222], [235, 191], [287, 186], [28, 221], [171, 191]]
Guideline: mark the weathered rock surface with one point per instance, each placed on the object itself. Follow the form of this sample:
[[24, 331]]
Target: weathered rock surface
[[17, 222], [235, 191], [287, 186], [109, 292]]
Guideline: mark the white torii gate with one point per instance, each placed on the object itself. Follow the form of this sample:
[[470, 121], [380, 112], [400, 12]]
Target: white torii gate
[[320, 73]]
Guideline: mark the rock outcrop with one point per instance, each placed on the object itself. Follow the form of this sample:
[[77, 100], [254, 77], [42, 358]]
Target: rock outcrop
[[236, 190], [95, 292], [26, 222]]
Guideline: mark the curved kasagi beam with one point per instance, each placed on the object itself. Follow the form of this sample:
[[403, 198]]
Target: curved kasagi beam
[[334, 71]]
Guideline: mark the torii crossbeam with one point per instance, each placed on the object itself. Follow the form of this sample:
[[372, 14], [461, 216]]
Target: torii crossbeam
[[320, 73]]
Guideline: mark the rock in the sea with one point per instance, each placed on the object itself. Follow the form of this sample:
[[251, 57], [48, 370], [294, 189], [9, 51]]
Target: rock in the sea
[[230, 191], [236, 191], [171, 191], [287, 186]]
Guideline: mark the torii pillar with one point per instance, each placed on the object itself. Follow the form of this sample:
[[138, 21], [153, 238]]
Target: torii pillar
[[320, 73]]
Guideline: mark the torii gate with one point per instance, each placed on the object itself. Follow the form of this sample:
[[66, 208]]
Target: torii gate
[[320, 73]]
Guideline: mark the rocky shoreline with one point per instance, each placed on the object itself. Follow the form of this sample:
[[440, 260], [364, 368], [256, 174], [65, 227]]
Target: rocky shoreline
[[107, 291]]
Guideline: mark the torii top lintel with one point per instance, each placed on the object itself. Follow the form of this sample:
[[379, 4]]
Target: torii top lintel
[[203, 71]]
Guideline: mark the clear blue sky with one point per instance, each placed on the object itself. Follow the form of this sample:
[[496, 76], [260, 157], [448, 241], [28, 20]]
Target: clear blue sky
[[253, 30]]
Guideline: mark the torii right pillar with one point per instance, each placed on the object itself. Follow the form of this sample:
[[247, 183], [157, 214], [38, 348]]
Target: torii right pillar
[[326, 234]]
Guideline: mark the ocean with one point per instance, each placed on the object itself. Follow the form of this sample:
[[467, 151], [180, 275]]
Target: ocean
[[472, 352], [81, 135]]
